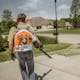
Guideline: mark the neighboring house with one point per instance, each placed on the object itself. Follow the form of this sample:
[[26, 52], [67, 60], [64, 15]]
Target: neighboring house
[[41, 23], [50, 26], [68, 25]]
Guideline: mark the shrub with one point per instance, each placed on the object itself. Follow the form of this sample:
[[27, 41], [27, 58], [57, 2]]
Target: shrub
[[5, 42], [2, 47], [47, 40]]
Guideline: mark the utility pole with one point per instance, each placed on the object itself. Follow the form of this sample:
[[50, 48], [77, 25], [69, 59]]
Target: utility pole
[[56, 26]]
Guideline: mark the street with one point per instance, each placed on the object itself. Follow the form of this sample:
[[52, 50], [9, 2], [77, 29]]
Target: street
[[65, 38]]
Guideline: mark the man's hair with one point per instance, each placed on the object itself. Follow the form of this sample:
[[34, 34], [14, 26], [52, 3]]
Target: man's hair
[[21, 17]]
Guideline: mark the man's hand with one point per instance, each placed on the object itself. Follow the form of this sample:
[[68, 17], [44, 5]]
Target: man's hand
[[13, 56], [37, 44], [40, 45]]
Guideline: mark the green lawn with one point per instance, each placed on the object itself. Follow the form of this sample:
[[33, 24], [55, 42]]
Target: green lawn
[[4, 56], [51, 48], [73, 50], [61, 31], [60, 49]]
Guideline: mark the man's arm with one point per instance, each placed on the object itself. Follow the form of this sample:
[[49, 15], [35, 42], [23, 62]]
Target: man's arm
[[31, 29], [11, 41]]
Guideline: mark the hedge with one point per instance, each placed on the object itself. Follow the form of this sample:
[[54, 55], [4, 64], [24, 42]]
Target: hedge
[[47, 40]]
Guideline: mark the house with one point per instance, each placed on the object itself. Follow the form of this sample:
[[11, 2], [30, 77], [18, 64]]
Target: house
[[41, 23], [68, 25]]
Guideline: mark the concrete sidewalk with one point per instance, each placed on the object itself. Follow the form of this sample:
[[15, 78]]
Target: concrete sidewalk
[[58, 68]]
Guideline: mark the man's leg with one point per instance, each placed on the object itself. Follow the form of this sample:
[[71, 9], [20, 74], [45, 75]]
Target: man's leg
[[30, 64], [21, 60]]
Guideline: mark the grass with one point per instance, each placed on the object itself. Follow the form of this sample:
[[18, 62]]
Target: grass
[[67, 52], [60, 49], [5, 56], [51, 48], [61, 31], [47, 40], [74, 49]]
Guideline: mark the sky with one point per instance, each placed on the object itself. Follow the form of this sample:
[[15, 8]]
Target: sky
[[34, 8]]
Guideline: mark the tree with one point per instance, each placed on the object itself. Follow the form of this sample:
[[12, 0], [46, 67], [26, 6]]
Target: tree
[[75, 8], [75, 11], [67, 20], [2, 47], [61, 23], [0, 31], [7, 20], [78, 22], [0, 26], [7, 15]]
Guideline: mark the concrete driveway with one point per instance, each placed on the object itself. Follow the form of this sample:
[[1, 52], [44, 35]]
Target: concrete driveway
[[58, 68]]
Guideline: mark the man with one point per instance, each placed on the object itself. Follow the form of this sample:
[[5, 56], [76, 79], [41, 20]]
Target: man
[[23, 46], [26, 25]]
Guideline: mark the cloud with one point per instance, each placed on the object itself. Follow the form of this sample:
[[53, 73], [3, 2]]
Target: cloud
[[63, 11], [41, 13], [38, 8], [63, 7], [35, 8], [29, 5]]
